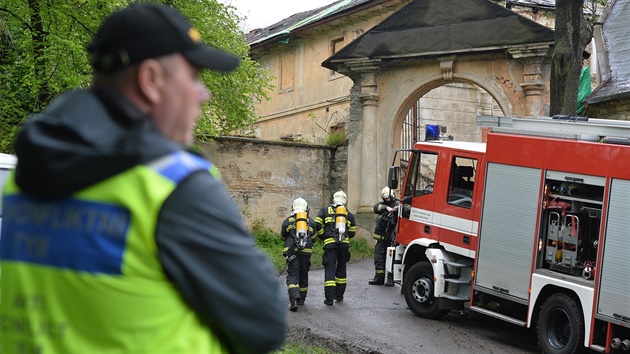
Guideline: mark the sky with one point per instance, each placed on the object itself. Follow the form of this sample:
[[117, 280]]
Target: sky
[[263, 13]]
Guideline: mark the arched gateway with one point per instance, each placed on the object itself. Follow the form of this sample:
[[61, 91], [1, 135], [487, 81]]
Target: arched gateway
[[425, 45]]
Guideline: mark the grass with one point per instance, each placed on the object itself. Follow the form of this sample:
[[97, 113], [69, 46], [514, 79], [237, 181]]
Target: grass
[[271, 243], [337, 138], [299, 348]]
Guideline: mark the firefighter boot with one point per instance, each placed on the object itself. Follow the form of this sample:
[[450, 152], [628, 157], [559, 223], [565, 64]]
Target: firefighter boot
[[328, 302], [302, 298], [294, 305], [377, 280], [390, 279]]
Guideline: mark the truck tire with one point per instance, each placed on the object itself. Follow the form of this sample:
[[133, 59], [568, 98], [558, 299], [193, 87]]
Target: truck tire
[[560, 326], [418, 289]]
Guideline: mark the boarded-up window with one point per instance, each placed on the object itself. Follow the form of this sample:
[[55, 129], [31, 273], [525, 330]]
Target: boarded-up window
[[335, 46], [287, 71]]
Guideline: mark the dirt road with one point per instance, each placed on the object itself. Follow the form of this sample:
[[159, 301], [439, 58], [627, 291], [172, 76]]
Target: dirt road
[[375, 319]]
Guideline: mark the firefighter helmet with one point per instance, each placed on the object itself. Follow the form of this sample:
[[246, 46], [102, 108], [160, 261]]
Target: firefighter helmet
[[340, 198], [299, 204], [573, 189], [387, 193]]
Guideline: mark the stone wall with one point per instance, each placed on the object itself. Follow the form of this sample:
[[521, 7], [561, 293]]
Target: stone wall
[[613, 109], [264, 177]]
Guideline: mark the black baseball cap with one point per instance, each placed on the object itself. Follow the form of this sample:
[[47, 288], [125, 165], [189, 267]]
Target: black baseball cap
[[143, 31]]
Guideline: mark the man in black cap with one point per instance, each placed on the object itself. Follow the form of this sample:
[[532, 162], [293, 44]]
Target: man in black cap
[[115, 238]]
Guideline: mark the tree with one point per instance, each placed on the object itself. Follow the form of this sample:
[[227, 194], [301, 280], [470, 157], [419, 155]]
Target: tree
[[573, 32], [42, 53]]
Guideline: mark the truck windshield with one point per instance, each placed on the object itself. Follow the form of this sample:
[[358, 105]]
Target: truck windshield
[[419, 180]]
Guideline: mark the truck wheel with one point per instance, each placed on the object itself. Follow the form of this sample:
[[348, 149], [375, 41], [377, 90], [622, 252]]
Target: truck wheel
[[560, 325], [418, 291]]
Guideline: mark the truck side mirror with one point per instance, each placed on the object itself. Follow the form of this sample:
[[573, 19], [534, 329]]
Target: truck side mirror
[[392, 179]]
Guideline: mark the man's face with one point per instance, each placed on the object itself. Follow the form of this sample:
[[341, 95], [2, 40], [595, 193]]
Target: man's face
[[182, 94]]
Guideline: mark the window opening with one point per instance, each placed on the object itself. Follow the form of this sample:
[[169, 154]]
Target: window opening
[[286, 71], [335, 46], [419, 181], [462, 182]]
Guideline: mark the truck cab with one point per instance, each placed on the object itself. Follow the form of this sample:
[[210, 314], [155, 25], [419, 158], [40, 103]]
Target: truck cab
[[438, 195]]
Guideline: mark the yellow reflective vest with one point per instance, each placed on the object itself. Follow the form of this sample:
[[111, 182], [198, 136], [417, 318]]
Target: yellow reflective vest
[[82, 274]]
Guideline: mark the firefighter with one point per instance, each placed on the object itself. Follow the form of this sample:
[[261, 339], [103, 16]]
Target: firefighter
[[298, 232], [335, 227], [384, 235]]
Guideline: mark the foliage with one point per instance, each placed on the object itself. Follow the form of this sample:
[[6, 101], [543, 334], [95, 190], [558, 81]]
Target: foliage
[[360, 249], [42, 53], [271, 243], [336, 138], [593, 10]]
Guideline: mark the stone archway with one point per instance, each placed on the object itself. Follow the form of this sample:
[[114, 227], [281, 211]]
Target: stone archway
[[517, 79], [427, 44], [453, 104]]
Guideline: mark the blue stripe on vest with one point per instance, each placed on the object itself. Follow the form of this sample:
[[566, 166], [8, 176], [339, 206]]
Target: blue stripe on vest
[[72, 234], [179, 165]]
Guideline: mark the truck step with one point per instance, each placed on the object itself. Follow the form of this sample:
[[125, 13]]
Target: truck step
[[458, 281], [598, 348], [462, 263], [456, 297], [500, 316]]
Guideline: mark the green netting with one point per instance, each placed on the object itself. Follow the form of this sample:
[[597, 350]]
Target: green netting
[[584, 88]]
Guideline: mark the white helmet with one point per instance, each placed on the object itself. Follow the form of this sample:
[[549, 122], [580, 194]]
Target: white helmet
[[340, 198], [299, 204], [387, 193], [573, 189]]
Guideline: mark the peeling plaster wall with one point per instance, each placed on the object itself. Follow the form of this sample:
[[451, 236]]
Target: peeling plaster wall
[[319, 98], [264, 177]]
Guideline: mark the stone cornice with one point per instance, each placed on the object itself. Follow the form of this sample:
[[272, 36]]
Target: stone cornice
[[361, 66], [528, 51], [447, 65]]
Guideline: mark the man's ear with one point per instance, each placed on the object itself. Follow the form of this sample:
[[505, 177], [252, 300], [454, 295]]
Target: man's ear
[[150, 80]]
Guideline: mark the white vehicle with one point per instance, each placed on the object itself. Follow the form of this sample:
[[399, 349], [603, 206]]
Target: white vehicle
[[7, 163]]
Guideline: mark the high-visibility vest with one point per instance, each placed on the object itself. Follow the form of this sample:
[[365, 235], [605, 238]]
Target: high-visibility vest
[[82, 274]]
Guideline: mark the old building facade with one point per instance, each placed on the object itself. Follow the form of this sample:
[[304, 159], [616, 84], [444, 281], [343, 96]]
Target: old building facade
[[381, 87]]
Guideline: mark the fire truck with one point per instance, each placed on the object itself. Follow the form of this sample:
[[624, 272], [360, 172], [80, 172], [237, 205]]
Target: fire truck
[[531, 227]]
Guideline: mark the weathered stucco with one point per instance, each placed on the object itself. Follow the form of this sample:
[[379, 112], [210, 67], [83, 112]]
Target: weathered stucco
[[264, 177], [319, 98]]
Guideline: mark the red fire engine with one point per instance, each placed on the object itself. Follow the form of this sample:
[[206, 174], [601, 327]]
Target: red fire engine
[[532, 227]]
